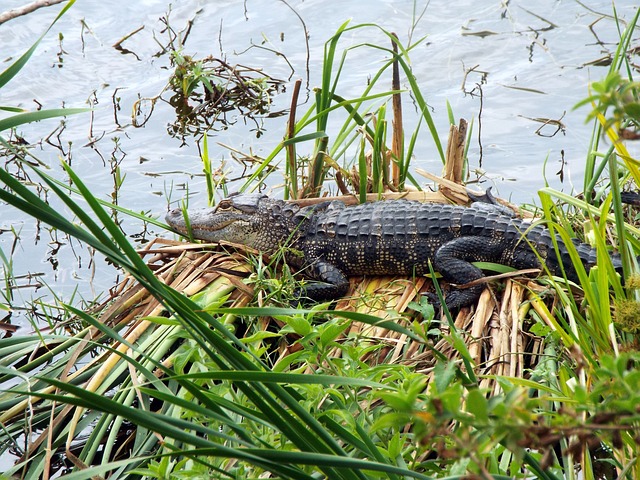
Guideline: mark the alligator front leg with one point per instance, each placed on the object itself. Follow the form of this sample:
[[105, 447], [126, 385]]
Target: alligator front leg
[[453, 261], [331, 282]]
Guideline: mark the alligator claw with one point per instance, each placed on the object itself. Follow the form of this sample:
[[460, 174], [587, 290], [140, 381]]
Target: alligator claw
[[434, 300]]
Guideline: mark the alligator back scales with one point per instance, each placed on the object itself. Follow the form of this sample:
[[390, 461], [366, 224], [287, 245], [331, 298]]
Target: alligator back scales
[[330, 241]]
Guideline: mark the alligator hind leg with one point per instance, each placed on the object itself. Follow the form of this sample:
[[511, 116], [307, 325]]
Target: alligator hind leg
[[453, 261]]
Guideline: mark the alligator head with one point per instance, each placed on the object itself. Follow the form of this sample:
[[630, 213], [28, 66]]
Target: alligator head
[[253, 220]]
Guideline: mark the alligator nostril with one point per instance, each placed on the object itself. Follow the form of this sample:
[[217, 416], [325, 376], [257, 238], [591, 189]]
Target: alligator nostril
[[173, 215]]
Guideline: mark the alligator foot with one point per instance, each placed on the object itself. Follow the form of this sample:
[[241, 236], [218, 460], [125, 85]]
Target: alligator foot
[[456, 298], [329, 283], [630, 198]]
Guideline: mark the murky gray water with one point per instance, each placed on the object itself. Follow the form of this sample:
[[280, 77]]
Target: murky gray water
[[534, 56]]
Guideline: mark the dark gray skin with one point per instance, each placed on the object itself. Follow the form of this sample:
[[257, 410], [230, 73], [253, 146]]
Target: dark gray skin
[[330, 241]]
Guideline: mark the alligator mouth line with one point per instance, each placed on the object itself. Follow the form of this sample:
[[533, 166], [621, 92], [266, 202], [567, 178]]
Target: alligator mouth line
[[213, 228]]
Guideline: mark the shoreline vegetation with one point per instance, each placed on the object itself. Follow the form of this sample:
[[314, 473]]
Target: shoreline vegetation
[[196, 367]]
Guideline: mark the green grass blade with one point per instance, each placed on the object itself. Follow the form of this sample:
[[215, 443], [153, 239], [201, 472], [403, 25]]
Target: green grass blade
[[30, 117]]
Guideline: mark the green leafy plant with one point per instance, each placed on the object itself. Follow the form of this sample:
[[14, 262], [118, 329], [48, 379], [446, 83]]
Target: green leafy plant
[[617, 95]]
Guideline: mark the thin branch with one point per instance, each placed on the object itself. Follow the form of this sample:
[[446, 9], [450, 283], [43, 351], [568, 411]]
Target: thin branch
[[18, 12]]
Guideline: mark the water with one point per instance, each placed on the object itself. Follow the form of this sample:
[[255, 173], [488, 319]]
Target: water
[[534, 58]]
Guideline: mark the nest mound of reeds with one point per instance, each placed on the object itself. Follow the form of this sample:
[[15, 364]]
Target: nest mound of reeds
[[495, 330]]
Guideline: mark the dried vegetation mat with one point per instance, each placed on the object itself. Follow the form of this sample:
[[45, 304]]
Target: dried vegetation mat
[[496, 331]]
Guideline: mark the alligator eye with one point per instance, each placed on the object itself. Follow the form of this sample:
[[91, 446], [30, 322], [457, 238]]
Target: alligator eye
[[224, 205]]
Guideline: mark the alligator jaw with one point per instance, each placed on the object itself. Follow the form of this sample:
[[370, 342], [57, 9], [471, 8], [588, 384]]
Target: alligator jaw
[[205, 223]]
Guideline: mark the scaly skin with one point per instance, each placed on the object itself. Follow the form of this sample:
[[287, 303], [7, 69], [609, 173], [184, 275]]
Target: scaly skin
[[398, 237]]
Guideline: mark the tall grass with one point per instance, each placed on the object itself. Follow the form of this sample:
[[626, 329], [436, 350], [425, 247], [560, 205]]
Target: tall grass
[[597, 326], [364, 128], [252, 391]]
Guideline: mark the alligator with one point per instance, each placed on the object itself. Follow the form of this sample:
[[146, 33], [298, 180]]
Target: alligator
[[330, 241]]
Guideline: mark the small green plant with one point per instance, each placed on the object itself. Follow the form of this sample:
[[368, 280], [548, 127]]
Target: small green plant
[[615, 112], [615, 97], [366, 127]]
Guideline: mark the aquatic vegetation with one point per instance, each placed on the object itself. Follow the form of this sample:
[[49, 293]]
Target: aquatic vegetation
[[208, 94], [205, 91]]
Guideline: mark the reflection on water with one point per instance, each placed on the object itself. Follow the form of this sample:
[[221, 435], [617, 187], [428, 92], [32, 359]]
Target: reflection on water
[[515, 70]]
